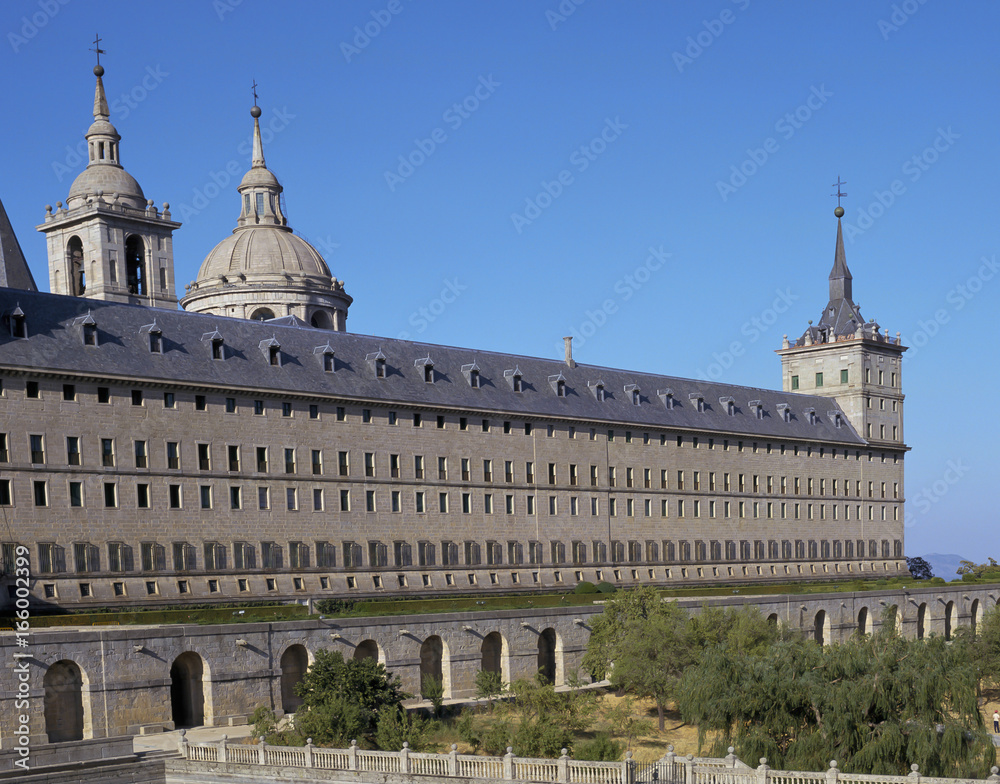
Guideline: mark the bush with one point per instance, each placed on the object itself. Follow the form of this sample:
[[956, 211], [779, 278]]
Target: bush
[[600, 749], [467, 732], [335, 606], [936, 581], [605, 587], [585, 586], [489, 684], [396, 726], [433, 689]]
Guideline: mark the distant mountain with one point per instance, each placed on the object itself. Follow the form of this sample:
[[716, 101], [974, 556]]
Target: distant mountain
[[945, 565]]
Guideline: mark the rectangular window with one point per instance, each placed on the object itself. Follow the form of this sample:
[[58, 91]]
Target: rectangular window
[[136, 397], [142, 496], [289, 461], [204, 458], [261, 454], [369, 464], [258, 408], [205, 496], [317, 462], [107, 452], [40, 493], [263, 498], [37, 449], [795, 382], [69, 392], [75, 494], [233, 455], [418, 501], [345, 500], [291, 499], [173, 455], [169, 400], [369, 500], [230, 405], [819, 379], [843, 376], [394, 498], [110, 495], [200, 404], [174, 496], [235, 499], [286, 409]]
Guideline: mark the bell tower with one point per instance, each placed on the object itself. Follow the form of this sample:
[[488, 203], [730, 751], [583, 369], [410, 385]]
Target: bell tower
[[848, 358], [109, 242]]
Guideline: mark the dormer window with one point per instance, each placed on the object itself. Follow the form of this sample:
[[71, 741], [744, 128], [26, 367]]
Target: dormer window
[[377, 363], [217, 342], [757, 408], [667, 396], [698, 400], [514, 379], [837, 418], [18, 324], [598, 390], [155, 337], [326, 355], [728, 404], [428, 368], [633, 391], [785, 411], [89, 329], [810, 415], [558, 384], [471, 372], [272, 350]]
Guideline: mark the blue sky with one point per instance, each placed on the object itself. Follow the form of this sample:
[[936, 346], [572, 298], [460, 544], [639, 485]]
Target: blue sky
[[652, 177]]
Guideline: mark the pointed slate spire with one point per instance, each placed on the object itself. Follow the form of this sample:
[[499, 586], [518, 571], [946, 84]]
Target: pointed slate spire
[[100, 99], [840, 275], [14, 271], [258, 148]]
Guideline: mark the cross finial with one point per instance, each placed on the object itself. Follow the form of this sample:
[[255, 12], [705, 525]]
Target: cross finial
[[838, 194], [97, 47], [254, 89]]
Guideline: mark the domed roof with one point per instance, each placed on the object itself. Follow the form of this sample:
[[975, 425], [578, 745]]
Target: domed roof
[[263, 250], [111, 179], [259, 176]]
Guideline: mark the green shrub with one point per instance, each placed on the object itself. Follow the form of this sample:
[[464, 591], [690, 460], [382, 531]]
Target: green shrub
[[605, 587], [599, 749], [397, 726], [467, 732], [585, 586], [936, 581], [335, 606], [432, 689]]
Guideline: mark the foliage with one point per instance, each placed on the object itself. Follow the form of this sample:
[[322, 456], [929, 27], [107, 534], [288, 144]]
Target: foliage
[[919, 568], [627, 724], [335, 606], [342, 698], [432, 688], [584, 586], [875, 704], [601, 748], [984, 647], [467, 732], [605, 587], [608, 628], [489, 685], [396, 726], [977, 570]]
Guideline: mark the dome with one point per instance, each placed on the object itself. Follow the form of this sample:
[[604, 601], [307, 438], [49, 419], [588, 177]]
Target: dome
[[111, 179], [263, 250], [259, 176]]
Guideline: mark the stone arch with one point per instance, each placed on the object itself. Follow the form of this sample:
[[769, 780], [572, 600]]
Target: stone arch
[[187, 690], [435, 662], [950, 617], [772, 619], [320, 319], [76, 271], [550, 658], [923, 621], [135, 266], [893, 617], [975, 615], [67, 713], [864, 622], [495, 655], [294, 663], [369, 649], [262, 314], [820, 628]]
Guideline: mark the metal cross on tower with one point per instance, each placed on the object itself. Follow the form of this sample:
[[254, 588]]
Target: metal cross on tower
[[254, 89], [838, 194], [97, 47]]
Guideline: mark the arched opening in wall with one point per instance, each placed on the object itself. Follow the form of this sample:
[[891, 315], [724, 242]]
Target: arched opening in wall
[[922, 620], [368, 649], [187, 691], [975, 615], [321, 320], [76, 273], [864, 622], [294, 663], [893, 618], [135, 265], [63, 684], [495, 656], [262, 314], [819, 628], [772, 619], [949, 620], [431, 663], [547, 654]]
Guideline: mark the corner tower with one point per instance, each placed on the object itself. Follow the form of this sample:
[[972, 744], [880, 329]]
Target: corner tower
[[262, 270], [847, 358], [109, 242]]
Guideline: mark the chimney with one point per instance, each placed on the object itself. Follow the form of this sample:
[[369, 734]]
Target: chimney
[[569, 352]]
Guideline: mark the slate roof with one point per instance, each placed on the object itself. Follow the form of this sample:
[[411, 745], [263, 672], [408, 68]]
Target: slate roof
[[55, 343], [14, 271]]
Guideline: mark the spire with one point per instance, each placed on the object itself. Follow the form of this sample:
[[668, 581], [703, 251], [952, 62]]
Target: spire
[[100, 100], [258, 148], [14, 272], [840, 275]]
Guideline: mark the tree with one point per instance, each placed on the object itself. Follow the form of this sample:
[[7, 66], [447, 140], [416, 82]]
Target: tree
[[984, 647], [919, 568], [875, 704], [342, 700], [970, 570], [608, 629]]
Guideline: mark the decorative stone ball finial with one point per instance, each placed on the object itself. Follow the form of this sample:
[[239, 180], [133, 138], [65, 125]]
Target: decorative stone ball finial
[[833, 763], [255, 112], [839, 212], [98, 71]]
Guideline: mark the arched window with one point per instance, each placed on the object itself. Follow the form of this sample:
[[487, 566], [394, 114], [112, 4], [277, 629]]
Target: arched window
[[187, 695], [63, 702], [135, 266], [294, 663], [76, 276]]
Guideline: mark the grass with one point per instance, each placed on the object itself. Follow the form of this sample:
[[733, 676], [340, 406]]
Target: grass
[[197, 615]]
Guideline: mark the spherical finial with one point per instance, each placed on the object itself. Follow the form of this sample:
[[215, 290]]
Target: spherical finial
[[839, 212], [98, 71], [255, 112]]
